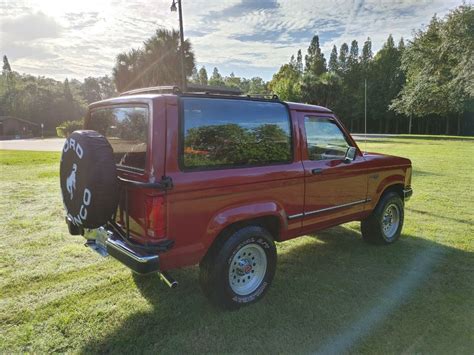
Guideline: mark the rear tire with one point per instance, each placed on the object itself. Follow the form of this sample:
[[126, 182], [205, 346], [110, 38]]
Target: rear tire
[[385, 224], [239, 267]]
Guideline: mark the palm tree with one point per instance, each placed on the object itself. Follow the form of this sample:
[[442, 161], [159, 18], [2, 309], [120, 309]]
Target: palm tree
[[158, 63]]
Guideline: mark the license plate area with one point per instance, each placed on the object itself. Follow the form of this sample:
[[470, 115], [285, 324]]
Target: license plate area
[[96, 240]]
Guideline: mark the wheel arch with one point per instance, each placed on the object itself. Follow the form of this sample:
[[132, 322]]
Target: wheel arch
[[397, 188], [268, 215]]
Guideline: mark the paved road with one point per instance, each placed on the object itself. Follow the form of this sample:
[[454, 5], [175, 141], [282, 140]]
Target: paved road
[[38, 144]]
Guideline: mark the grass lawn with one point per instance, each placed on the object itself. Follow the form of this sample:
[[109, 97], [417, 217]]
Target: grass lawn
[[332, 292]]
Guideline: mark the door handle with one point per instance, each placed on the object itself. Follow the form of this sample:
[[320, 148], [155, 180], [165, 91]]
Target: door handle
[[317, 171]]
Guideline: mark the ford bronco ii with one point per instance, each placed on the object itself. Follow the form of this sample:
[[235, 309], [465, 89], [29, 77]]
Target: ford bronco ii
[[161, 179]]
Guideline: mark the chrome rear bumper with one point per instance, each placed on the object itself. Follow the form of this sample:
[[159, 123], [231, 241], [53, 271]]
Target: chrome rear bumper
[[105, 242]]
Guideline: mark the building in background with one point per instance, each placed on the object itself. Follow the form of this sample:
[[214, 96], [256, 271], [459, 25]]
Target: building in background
[[15, 128]]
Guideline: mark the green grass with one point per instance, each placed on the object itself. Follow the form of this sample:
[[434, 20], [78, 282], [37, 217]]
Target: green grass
[[332, 292]]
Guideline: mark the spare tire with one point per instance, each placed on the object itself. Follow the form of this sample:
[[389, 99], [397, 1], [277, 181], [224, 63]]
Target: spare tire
[[88, 178]]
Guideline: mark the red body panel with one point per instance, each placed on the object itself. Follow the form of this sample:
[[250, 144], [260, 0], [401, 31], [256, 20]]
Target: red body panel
[[203, 203]]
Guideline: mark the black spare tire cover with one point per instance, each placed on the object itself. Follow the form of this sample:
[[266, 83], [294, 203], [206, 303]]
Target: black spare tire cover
[[88, 179]]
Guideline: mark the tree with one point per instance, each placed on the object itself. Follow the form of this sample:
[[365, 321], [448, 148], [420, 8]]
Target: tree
[[367, 54], [354, 53], [286, 83], [194, 76], [90, 90], [343, 58], [333, 65], [6, 65], [216, 78], [315, 61], [299, 61], [202, 76], [157, 63], [387, 82], [97, 88], [232, 81], [439, 68], [257, 86]]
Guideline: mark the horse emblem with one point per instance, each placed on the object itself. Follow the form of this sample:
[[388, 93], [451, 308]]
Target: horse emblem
[[71, 181]]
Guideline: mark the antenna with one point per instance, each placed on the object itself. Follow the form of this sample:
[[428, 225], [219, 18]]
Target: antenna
[[365, 113]]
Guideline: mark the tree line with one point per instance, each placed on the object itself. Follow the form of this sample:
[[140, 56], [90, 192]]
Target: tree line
[[424, 85]]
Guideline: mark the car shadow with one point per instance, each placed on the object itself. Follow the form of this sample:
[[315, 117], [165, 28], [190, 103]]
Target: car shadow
[[431, 214], [330, 291]]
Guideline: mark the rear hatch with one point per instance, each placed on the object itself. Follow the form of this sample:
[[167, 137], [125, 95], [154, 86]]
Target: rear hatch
[[138, 144]]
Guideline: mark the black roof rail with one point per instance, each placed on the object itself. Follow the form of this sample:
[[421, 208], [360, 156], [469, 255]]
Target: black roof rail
[[264, 96], [169, 89], [208, 89], [197, 89]]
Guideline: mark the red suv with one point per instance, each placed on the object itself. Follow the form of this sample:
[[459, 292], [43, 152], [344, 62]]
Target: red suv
[[161, 179]]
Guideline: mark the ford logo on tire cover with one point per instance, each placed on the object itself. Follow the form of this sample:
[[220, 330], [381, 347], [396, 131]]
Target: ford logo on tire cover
[[88, 177]]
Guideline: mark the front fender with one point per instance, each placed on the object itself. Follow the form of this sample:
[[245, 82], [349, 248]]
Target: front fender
[[241, 213]]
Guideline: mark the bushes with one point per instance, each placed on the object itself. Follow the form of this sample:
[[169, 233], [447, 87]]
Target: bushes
[[66, 128]]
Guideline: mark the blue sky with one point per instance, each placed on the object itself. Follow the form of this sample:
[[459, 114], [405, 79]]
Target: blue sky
[[76, 39]]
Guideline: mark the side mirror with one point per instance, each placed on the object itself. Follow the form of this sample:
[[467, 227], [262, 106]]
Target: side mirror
[[350, 154]]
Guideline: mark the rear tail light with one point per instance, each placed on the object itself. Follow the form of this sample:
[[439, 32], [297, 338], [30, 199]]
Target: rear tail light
[[155, 222]]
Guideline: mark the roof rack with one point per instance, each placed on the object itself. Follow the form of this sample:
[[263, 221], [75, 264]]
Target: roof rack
[[169, 89], [263, 96], [208, 89], [197, 89]]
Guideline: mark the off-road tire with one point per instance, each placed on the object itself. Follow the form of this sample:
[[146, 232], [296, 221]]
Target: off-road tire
[[372, 227], [215, 268]]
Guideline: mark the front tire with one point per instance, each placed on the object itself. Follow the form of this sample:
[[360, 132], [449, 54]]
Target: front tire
[[239, 268], [384, 225]]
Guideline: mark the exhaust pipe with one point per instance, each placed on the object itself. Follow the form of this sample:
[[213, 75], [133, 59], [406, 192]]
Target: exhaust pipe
[[168, 280]]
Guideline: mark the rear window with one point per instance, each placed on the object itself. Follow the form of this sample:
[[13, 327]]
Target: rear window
[[230, 133], [126, 128]]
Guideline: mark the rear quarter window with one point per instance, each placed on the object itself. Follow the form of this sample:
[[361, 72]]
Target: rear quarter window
[[220, 133], [126, 128]]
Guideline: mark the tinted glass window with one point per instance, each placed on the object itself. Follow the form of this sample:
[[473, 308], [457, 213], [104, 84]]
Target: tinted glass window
[[126, 128], [325, 139], [225, 133]]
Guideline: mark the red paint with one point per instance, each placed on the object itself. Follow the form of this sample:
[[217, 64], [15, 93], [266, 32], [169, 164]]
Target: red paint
[[202, 204]]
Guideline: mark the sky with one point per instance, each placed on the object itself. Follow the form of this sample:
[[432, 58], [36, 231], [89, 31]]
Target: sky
[[81, 38]]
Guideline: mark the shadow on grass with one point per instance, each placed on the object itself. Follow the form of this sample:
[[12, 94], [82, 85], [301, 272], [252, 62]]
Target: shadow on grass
[[431, 214], [331, 293]]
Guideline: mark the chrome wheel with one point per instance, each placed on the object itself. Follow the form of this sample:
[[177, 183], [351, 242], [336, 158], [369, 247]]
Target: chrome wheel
[[390, 221], [247, 269]]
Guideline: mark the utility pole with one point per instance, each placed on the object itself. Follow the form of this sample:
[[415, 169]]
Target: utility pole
[[181, 35], [365, 113]]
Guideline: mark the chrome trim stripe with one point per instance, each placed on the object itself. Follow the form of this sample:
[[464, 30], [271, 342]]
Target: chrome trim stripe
[[298, 215], [122, 247], [310, 213]]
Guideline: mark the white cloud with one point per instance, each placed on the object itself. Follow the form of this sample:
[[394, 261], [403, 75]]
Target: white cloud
[[78, 39]]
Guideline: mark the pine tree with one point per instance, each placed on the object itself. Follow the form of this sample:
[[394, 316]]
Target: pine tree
[[333, 64], [343, 57], [6, 65], [354, 53], [202, 75], [315, 61], [367, 54], [401, 45], [299, 61], [194, 76], [216, 78]]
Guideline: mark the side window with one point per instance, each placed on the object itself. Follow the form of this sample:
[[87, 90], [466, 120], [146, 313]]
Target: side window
[[219, 133], [325, 140], [126, 128]]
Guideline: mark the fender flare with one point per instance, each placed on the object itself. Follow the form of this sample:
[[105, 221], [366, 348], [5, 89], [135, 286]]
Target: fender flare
[[244, 212], [389, 181]]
